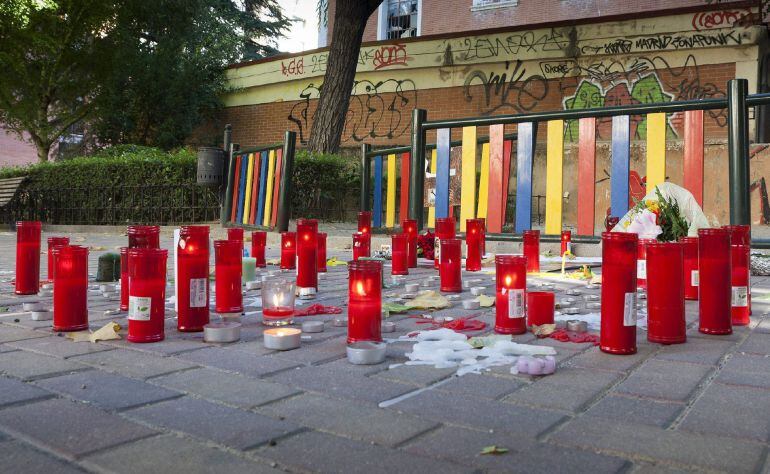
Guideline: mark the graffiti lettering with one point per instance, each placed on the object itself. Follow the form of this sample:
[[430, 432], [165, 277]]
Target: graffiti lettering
[[295, 67], [483, 48], [509, 90], [618, 46], [373, 112], [318, 63], [561, 68], [686, 42], [390, 55], [719, 19]]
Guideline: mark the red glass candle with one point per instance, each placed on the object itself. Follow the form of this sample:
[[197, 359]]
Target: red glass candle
[[410, 229], [307, 255], [741, 235], [399, 250], [740, 285], [124, 279], [364, 301], [228, 272], [258, 244], [566, 241], [54, 242], [70, 288], [690, 267], [715, 280], [365, 222], [510, 294], [322, 252], [665, 293], [445, 229], [147, 297], [143, 237], [540, 308], [288, 250], [641, 262], [450, 268], [362, 244], [474, 229], [236, 233], [483, 236], [28, 257], [531, 248], [193, 278], [618, 318]]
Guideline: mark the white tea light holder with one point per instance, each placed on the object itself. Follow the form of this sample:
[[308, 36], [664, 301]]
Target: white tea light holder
[[573, 292], [571, 310], [34, 306], [42, 315], [312, 326], [388, 326], [340, 322], [282, 339], [471, 304], [577, 326], [477, 290], [411, 287], [366, 352], [228, 331]]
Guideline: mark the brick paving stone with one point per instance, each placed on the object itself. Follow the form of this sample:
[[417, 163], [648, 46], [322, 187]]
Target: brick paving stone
[[230, 427], [10, 333], [363, 370], [763, 326], [61, 347], [349, 419], [169, 453], [697, 351], [232, 389], [315, 353], [20, 457], [665, 380], [746, 369], [464, 446], [568, 389], [106, 390], [166, 347], [133, 363], [339, 383], [730, 411], [739, 334], [636, 410], [596, 359], [28, 365], [481, 385], [225, 358], [417, 375], [756, 343], [334, 454], [68, 428], [659, 445], [479, 413], [13, 391]]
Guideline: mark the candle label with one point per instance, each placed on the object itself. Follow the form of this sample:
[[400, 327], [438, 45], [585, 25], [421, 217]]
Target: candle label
[[139, 308], [437, 250], [694, 278], [740, 297], [198, 297], [641, 269], [629, 310], [515, 304]]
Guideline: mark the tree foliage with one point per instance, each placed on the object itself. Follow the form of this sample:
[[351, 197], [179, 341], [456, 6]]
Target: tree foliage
[[137, 71]]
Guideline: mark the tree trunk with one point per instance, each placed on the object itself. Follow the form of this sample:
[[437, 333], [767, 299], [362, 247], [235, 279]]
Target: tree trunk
[[43, 147], [350, 18]]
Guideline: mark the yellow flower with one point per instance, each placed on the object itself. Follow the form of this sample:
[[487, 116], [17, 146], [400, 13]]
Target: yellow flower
[[653, 206], [626, 224]]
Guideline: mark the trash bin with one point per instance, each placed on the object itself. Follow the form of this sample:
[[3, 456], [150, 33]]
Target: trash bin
[[210, 166]]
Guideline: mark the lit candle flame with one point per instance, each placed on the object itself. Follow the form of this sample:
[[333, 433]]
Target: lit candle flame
[[360, 288], [508, 280]]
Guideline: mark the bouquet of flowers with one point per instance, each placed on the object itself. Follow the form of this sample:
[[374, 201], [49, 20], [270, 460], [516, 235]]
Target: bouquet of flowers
[[666, 214], [425, 244]]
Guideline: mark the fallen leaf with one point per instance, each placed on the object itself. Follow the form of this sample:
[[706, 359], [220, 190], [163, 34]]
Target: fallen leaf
[[483, 341], [485, 301], [429, 300], [333, 262], [105, 333], [494, 450], [395, 307], [543, 330]]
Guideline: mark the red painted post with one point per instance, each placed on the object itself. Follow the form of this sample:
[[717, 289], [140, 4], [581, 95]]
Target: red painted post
[[496, 204], [507, 147], [276, 186], [586, 176], [693, 154]]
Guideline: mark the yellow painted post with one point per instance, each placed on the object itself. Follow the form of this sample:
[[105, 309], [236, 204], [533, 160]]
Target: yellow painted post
[[468, 183], [249, 178], [390, 206], [432, 209], [554, 163], [656, 150], [484, 182], [269, 190]]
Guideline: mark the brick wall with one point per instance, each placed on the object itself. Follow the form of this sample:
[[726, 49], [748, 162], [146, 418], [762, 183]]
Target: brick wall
[[15, 152]]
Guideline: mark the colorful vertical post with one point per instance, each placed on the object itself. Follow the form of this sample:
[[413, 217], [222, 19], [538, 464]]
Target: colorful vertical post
[[269, 190], [432, 209], [656, 150], [620, 165], [553, 171], [276, 186], [586, 176], [442, 172], [390, 207], [484, 182], [468, 181], [693, 154], [494, 214], [525, 150], [377, 208], [403, 209]]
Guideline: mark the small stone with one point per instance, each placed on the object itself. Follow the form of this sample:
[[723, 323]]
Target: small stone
[[83, 386], [272, 442]]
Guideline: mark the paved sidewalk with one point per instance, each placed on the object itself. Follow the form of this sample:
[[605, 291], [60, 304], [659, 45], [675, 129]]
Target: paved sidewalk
[[186, 406]]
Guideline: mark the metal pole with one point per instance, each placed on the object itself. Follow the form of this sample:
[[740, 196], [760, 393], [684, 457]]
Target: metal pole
[[417, 184], [284, 195], [366, 177], [738, 147], [227, 203]]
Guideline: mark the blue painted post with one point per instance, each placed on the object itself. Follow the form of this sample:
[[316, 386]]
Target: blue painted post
[[262, 187], [525, 150], [442, 171], [377, 210], [620, 165]]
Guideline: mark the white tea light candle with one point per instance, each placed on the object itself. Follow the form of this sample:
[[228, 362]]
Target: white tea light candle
[[282, 339]]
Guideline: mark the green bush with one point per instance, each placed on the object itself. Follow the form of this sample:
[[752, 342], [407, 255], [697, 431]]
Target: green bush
[[325, 186]]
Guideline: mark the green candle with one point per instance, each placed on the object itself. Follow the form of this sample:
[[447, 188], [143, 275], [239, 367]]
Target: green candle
[[249, 269]]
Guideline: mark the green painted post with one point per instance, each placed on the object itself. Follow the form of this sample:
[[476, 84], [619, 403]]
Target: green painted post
[[417, 184], [366, 177], [738, 148], [284, 195]]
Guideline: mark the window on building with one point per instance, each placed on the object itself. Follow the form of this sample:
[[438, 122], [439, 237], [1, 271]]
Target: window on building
[[487, 4], [401, 19]]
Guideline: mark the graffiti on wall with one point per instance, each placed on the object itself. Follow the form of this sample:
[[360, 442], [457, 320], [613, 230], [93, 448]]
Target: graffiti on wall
[[513, 90], [379, 109]]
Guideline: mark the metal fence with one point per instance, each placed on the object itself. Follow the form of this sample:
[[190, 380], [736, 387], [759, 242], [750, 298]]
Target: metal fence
[[117, 205]]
